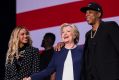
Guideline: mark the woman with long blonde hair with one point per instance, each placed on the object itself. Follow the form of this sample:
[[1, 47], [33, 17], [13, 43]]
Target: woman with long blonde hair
[[22, 59]]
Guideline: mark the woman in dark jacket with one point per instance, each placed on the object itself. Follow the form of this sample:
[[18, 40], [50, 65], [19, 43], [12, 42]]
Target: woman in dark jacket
[[67, 62], [22, 59]]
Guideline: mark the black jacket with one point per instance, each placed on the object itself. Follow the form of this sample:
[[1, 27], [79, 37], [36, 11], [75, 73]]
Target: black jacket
[[24, 66], [101, 61]]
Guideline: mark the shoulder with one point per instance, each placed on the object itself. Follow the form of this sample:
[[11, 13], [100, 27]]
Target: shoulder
[[88, 34], [109, 27], [79, 48], [63, 50], [110, 24], [33, 49]]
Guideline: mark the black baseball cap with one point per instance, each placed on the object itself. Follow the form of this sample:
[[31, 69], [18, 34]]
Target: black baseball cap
[[92, 6]]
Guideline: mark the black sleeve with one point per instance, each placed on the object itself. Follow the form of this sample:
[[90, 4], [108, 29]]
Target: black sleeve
[[36, 61], [44, 73], [114, 34], [84, 59], [10, 71]]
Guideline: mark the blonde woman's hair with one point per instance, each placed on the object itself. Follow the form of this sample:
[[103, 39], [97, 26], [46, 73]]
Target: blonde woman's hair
[[75, 30], [13, 45]]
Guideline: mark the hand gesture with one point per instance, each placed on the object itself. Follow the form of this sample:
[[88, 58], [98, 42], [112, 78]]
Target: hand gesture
[[59, 46]]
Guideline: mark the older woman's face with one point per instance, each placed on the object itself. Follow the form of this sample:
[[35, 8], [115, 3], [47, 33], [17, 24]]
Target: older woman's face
[[23, 36], [67, 34]]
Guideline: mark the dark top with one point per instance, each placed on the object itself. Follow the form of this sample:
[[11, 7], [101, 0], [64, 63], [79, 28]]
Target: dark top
[[101, 61], [24, 66], [45, 58], [57, 64]]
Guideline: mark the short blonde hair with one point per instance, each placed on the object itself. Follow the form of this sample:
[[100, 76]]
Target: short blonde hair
[[75, 30]]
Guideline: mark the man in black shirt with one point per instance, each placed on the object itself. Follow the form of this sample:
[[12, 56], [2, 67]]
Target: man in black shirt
[[101, 49]]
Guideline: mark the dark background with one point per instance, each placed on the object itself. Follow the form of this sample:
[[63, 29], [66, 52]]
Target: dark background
[[7, 23]]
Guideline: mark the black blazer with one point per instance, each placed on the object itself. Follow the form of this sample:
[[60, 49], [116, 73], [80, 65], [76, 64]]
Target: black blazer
[[102, 53], [24, 66]]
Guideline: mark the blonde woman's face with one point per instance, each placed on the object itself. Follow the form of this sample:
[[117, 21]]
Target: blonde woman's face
[[67, 34], [23, 36]]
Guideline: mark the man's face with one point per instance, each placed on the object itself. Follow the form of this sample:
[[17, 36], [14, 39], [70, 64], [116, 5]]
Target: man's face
[[92, 16], [47, 42]]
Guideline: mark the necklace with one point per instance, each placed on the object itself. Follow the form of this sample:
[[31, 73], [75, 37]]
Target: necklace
[[93, 35]]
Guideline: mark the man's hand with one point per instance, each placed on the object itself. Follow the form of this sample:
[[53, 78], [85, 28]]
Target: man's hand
[[59, 46]]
